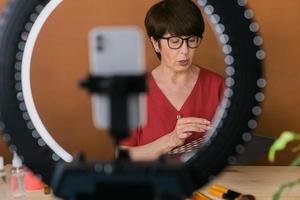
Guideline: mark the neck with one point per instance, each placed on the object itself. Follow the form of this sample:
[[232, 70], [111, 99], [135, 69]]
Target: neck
[[175, 77]]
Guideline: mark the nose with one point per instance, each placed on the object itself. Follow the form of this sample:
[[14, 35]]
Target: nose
[[184, 48]]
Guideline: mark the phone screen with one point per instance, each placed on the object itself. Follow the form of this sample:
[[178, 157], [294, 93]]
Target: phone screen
[[117, 51]]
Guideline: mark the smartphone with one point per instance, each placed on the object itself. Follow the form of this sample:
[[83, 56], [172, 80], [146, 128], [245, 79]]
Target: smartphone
[[117, 51]]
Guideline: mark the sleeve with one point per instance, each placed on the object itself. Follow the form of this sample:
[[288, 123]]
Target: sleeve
[[133, 139]]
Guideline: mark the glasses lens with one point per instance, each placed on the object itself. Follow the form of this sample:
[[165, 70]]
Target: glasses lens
[[175, 42], [193, 41]]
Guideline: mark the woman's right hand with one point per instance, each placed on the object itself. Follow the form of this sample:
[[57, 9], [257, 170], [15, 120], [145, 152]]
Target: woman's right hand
[[185, 127]]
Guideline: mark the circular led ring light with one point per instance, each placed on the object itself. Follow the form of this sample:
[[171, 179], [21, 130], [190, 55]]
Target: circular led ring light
[[25, 132]]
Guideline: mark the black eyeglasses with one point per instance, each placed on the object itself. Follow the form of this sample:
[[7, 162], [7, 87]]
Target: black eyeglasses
[[175, 42]]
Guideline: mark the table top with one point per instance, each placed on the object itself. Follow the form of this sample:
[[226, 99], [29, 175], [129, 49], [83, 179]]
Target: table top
[[30, 195], [260, 181]]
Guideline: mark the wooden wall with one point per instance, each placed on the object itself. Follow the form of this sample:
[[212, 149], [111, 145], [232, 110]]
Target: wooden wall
[[60, 60]]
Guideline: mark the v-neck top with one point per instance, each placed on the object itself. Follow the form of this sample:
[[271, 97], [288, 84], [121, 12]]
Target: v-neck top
[[162, 116]]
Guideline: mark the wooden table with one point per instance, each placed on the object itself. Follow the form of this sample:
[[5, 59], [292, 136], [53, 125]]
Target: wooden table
[[261, 181]]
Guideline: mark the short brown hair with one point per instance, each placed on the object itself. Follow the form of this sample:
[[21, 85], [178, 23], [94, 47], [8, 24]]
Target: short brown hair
[[177, 17]]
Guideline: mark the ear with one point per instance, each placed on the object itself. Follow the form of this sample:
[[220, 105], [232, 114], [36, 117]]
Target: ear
[[155, 44]]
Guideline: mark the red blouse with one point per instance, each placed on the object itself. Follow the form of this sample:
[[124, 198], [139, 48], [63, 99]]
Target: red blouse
[[162, 115]]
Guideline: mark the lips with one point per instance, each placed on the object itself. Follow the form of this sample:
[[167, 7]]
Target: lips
[[183, 62]]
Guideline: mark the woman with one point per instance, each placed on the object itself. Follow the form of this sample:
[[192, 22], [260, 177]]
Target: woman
[[182, 97]]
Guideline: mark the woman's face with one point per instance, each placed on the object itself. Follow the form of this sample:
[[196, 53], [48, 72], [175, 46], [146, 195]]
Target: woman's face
[[177, 60]]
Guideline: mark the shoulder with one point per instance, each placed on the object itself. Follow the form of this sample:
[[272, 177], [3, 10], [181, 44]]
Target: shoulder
[[150, 79], [210, 76], [211, 82], [208, 73]]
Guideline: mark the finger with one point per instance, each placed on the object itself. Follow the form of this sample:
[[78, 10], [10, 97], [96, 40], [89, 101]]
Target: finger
[[191, 128], [189, 120], [201, 126]]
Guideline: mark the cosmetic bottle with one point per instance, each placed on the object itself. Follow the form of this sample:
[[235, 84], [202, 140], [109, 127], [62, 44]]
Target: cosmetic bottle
[[4, 189], [17, 178]]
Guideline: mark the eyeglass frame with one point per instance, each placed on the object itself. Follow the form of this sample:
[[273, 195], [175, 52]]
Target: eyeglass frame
[[182, 40]]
